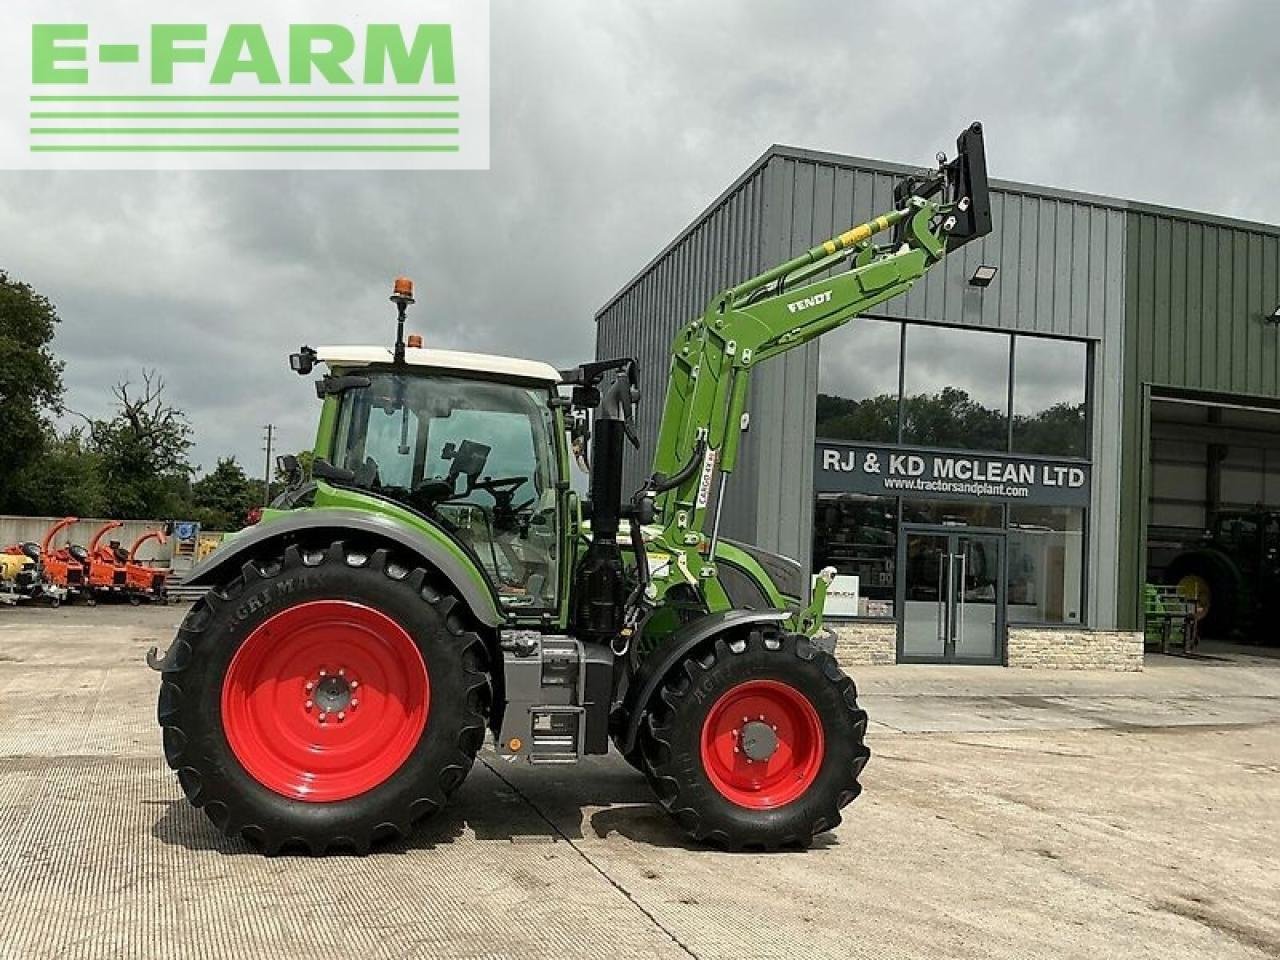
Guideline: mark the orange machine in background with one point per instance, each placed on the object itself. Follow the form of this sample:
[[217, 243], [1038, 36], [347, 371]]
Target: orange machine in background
[[106, 571], [142, 578], [60, 567]]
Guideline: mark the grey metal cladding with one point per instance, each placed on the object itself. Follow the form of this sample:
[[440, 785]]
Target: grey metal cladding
[[1200, 293]]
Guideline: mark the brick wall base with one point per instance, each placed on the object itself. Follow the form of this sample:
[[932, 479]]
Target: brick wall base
[[876, 644], [1075, 649], [863, 644]]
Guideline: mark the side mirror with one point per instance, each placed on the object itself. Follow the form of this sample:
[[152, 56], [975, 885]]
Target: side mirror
[[288, 464], [303, 362]]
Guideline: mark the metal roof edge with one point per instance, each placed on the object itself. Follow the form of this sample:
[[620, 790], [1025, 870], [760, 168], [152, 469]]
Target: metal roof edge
[[1037, 190], [1207, 219], [903, 169]]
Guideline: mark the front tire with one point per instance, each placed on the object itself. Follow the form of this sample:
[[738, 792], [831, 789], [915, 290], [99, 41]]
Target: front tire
[[327, 699], [757, 742]]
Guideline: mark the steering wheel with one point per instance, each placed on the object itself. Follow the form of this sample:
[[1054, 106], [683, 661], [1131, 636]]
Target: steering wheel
[[506, 515]]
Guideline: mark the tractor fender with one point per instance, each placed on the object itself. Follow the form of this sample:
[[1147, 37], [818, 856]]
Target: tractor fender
[[681, 643], [472, 586]]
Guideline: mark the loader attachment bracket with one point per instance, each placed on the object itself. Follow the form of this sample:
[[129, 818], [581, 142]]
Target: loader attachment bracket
[[962, 182]]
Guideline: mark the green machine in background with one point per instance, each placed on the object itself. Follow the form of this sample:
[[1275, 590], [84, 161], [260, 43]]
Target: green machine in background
[[438, 578]]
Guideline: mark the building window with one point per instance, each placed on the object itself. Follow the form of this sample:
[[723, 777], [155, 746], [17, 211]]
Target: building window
[[954, 513], [859, 537], [1046, 564], [1049, 384], [883, 381], [858, 383], [956, 388]]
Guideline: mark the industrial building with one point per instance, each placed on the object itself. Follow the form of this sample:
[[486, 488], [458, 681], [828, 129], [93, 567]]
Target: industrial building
[[1056, 416]]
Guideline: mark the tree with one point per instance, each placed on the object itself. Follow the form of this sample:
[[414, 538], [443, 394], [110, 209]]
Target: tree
[[144, 451], [1058, 429], [65, 480], [952, 418], [869, 420], [224, 497], [30, 380]]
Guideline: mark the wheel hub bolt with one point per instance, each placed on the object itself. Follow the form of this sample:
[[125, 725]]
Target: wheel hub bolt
[[323, 716], [310, 704], [341, 716]]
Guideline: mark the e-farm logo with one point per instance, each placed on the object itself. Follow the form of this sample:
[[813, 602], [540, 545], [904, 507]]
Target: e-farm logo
[[323, 84]]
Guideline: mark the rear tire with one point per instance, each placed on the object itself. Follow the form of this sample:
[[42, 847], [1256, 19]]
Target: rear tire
[[248, 738], [808, 770], [1222, 616]]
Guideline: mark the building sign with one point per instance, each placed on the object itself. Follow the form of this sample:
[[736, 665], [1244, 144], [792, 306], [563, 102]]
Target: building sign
[[891, 471]]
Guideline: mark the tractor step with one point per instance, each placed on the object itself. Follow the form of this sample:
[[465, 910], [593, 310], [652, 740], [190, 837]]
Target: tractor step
[[558, 697], [556, 734]]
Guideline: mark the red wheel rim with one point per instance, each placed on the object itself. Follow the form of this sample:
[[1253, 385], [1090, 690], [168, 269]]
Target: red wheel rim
[[325, 700], [775, 723]]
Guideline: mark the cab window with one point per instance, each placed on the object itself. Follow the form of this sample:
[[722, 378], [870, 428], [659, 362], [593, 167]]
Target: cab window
[[476, 456]]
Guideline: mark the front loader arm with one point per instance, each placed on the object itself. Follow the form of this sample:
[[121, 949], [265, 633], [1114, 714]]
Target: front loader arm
[[781, 309]]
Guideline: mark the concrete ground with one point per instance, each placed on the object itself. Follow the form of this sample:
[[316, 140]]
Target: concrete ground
[[1006, 814]]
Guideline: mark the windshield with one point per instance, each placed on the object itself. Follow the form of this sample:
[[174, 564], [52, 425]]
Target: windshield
[[475, 455]]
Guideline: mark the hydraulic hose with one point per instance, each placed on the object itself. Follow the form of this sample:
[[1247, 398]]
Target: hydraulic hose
[[661, 484]]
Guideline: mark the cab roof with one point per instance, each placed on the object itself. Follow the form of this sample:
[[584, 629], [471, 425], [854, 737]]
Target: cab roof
[[446, 360]]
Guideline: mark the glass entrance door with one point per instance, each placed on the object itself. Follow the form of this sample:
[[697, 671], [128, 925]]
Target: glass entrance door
[[952, 603]]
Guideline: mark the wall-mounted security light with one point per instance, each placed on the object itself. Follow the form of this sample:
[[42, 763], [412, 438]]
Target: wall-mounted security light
[[983, 275], [1273, 316]]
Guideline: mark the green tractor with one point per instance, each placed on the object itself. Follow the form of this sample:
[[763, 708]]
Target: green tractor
[[438, 578], [1232, 574]]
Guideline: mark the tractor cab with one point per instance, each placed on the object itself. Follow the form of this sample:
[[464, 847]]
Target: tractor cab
[[472, 443]]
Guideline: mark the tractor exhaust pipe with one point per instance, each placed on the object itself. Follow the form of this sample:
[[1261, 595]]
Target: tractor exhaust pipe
[[600, 586]]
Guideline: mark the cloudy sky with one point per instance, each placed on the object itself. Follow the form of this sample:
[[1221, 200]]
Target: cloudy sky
[[614, 123]]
